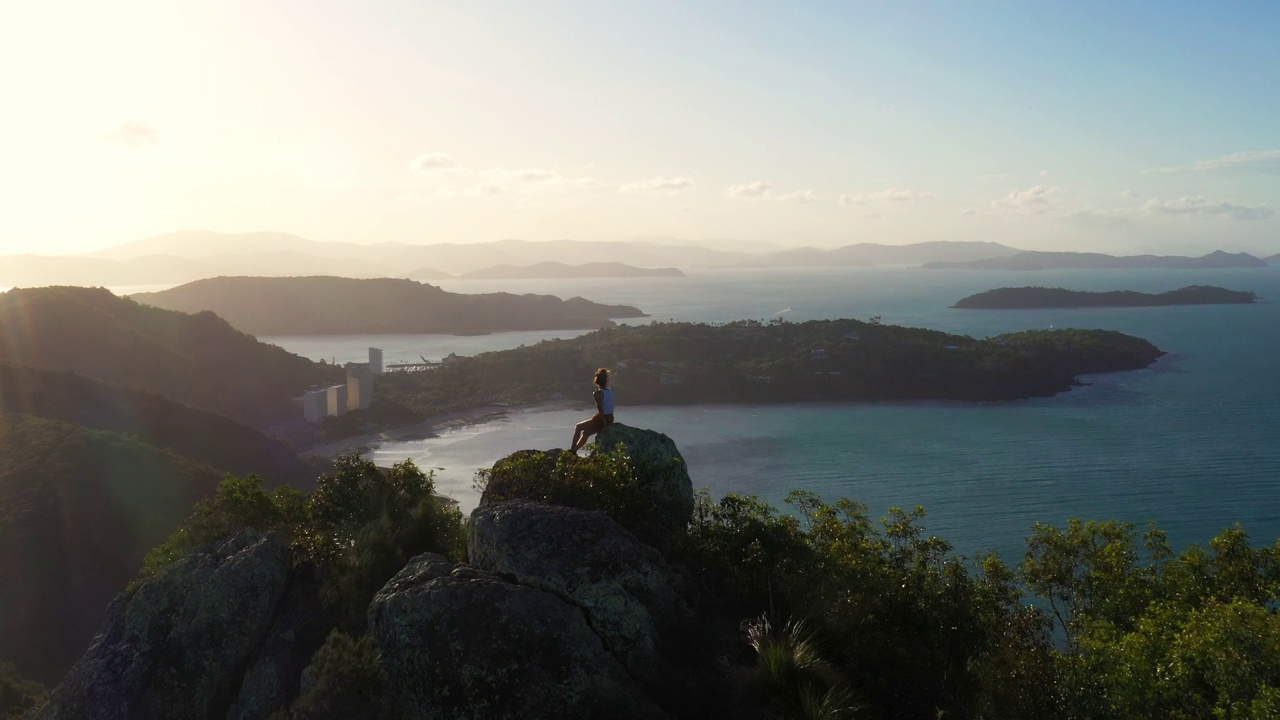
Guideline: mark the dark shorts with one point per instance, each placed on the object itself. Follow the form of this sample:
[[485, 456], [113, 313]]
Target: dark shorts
[[600, 421]]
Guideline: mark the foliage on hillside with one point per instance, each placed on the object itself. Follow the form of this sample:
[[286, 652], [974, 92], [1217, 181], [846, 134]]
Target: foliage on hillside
[[359, 526], [918, 633], [17, 694], [1010, 298], [197, 434], [196, 359], [79, 509], [753, 362], [337, 306]]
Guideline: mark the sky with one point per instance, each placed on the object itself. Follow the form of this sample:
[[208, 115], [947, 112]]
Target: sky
[[1102, 126]]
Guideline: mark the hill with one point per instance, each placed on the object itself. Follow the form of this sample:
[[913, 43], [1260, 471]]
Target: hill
[[1037, 260], [871, 254], [198, 360], [1273, 260], [776, 362], [554, 270], [199, 435], [336, 306], [1042, 297], [79, 509]]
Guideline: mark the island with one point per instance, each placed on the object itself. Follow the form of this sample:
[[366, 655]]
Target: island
[[1038, 260], [776, 362], [347, 306], [1026, 298], [557, 270]]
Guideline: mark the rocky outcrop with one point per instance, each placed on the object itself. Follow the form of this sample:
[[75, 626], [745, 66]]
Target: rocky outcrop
[[663, 474], [177, 645], [474, 645], [624, 586], [301, 625]]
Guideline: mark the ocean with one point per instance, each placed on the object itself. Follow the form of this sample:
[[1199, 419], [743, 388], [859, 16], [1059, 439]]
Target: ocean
[[1190, 443]]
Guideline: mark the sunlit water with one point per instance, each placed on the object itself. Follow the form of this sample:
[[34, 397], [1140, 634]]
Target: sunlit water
[[1191, 442]]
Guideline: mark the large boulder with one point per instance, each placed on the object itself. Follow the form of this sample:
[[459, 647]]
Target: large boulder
[[474, 645], [177, 645], [653, 498], [301, 625], [624, 586], [664, 476]]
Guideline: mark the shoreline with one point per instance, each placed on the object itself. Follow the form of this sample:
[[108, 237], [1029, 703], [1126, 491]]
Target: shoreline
[[431, 427]]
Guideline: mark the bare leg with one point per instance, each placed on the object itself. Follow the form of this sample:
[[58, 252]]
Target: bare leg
[[581, 432]]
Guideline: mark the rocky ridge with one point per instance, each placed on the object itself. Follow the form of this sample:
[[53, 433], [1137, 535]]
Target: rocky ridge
[[560, 612]]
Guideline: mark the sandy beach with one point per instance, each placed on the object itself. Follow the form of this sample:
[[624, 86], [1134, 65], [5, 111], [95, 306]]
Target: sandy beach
[[431, 427]]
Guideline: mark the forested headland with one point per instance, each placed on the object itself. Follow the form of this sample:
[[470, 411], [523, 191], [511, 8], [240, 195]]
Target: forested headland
[[773, 362], [337, 306], [1024, 298]]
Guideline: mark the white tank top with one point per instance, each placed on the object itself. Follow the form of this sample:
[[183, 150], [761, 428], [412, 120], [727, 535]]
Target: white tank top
[[606, 401]]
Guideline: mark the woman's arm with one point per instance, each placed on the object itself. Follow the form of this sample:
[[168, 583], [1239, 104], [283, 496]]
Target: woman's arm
[[598, 395]]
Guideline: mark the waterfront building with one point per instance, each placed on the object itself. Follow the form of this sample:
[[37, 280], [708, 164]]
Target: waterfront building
[[375, 360], [337, 399], [360, 379], [315, 405]]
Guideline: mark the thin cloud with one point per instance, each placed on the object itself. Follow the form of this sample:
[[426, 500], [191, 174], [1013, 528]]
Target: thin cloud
[[801, 196], [749, 191], [1267, 161], [535, 175], [1128, 194], [871, 215], [1204, 207], [1002, 177], [1101, 218], [667, 185], [134, 135], [432, 162], [892, 194], [1035, 200]]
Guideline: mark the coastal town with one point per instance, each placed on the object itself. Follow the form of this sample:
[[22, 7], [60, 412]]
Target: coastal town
[[321, 402]]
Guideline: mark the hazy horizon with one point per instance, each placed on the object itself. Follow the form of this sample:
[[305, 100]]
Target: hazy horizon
[[1091, 127]]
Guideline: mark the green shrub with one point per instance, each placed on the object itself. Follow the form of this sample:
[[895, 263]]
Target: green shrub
[[600, 481], [359, 526], [346, 681], [17, 694]]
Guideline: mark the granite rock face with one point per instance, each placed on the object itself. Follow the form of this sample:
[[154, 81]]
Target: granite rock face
[[473, 645], [624, 587], [273, 678], [663, 473], [177, 645]]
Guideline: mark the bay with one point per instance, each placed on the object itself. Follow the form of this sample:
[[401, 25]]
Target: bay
[[1190, 442]]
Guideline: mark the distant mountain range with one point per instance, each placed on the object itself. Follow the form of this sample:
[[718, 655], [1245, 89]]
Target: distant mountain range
[[182, 257], [1036, 260], [337, 306], [554, 270]]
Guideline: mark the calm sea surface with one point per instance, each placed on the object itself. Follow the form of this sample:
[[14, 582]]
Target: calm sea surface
[[1191, 442]]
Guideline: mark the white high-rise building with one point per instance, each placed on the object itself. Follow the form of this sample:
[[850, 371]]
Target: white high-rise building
[[337, 397], [359, 386], [315, 405], [375, 360]]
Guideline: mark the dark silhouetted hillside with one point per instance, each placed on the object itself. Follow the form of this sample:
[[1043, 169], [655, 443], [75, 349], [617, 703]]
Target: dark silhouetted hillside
[[197, 434], [1042, 297], [79, 509], [336, 306], [198, 359]]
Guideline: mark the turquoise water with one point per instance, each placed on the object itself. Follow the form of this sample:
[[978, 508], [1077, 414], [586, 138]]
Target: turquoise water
[[1190, 442]]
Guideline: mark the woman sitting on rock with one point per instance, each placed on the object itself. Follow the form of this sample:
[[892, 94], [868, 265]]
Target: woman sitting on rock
[[604, 412]]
